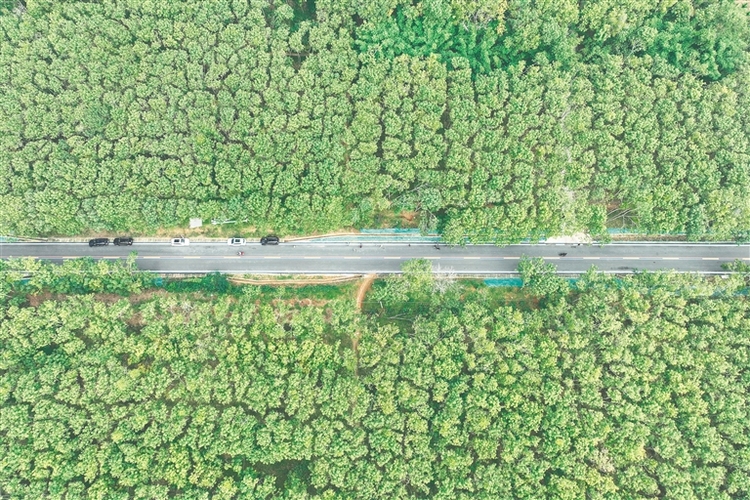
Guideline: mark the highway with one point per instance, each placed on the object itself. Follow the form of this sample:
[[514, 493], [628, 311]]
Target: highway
[[311, 257]]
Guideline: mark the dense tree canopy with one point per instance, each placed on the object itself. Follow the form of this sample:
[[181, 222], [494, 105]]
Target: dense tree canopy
[[615, 388], [491, 119]]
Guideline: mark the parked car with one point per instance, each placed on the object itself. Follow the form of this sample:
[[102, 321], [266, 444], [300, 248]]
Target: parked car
[[180, 242], [123, 241], [269, 240], [236, 242], [99, 242]]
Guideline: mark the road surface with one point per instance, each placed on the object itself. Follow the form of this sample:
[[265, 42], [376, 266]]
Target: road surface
[[312, 257]]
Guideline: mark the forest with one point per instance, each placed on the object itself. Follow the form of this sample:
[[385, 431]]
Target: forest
[[603, 388], [488, 120]]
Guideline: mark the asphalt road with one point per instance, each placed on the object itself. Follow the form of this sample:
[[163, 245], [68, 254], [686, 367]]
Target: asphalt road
[[312, 257]]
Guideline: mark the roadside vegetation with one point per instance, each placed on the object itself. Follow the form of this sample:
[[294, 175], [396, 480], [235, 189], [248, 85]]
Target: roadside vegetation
[[616, 388], [490, 119]]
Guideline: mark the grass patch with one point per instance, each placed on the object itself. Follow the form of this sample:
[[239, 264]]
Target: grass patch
[[465, 291], [500, 296], [219, 284], [269, 293]]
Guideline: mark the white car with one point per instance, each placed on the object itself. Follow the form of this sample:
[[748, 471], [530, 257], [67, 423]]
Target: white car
[[180, 242], [236, 242]]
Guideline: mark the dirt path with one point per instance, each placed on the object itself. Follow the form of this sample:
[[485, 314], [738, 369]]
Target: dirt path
[[363, 288]]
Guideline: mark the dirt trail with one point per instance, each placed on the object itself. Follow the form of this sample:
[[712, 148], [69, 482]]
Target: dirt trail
[[363, 288]]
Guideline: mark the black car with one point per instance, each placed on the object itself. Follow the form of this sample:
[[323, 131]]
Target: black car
[[99, 242], [269, 240], [123, 241]]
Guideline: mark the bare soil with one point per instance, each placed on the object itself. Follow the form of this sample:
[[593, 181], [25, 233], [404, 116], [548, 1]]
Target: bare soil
[[325, 280], [408, 216], [363, 288], [35, 300]]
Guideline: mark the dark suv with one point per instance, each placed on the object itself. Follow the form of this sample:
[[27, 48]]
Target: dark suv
[[123, 241], [269, 240], [99, 242]]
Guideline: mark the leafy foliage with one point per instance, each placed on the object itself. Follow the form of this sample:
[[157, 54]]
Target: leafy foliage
[[541, 278], [73, 276], [737, 266], [427, 29], [493, 121], [620, 388], [211, 283]]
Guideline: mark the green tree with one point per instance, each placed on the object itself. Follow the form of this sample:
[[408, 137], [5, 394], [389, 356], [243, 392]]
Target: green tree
[[541, 278]]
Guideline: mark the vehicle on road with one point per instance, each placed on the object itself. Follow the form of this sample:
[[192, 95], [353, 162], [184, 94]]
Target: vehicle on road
[[563, 254], [99, 242], [180, 242], [236, 242], [240, 253], [269, 240], [123, 241]]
